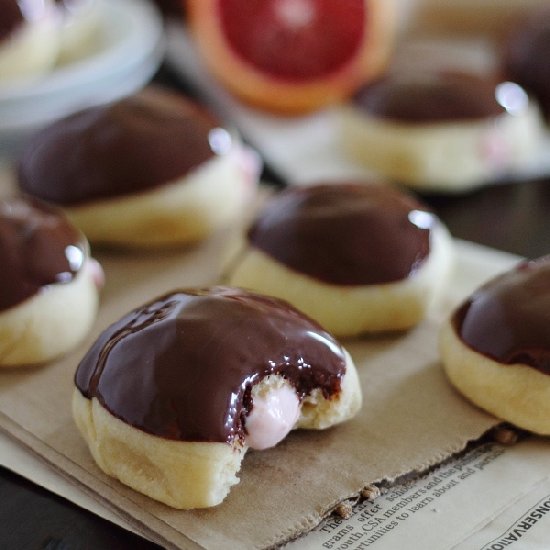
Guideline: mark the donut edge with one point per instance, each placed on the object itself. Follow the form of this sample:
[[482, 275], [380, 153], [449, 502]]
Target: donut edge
[[350, 311], [186, 210], [442, 157], [50, 323], [516, 393]]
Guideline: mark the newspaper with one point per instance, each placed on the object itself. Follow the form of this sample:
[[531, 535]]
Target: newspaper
[[491, 498], [494, 497], [525, 525]]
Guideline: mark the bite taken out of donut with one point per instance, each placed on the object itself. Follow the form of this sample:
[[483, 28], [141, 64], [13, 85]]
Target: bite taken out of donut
[[171, 396], [356, 257], [48, 284], [152, 169], [495, 347]]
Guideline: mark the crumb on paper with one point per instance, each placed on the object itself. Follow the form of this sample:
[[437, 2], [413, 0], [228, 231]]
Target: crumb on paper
[[505, 435], [370, 492], [344, 510]]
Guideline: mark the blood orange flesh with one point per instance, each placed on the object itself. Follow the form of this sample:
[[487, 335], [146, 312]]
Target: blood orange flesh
[[293, 56], [294, 40]]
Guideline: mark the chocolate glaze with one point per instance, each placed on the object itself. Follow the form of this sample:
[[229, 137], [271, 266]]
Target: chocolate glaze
[[345, 234], [38, 247], [525, 55], [430, 97], [508, 319], [126, 147], [11, 18], [174, 8], [182, 366]]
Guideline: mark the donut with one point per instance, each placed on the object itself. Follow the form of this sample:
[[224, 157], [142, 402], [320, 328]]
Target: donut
[[171, 396], [524, 55], [28, 38], [150, 169], [441, 131], [355, 257], [495, 347], [48, 284], [80, 28]]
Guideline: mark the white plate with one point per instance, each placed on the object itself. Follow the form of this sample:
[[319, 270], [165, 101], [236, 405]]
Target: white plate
[[131, 51]]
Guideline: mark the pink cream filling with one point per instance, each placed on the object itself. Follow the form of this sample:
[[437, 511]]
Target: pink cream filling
[[96, 272], [272, 418], [251, 165]]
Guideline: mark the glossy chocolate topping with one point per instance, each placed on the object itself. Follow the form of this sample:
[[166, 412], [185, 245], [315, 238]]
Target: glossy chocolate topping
[[526, 52], [434, 97], [127, 147], [182, 367], [11, 17], [508, 319], [348, 234], [171, 7], [38, 247]]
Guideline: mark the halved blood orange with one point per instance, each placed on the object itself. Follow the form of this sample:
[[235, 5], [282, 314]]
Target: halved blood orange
[[293, 56]]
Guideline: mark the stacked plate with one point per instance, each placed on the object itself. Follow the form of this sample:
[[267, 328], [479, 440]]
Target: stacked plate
[[130, 52]]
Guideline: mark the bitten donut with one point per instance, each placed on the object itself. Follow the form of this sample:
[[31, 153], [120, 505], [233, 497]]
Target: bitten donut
[[495, 347], [170, 397], [355, 257], [443, 131], [48, 284], [28, 38], [149, 169], [525, 53]]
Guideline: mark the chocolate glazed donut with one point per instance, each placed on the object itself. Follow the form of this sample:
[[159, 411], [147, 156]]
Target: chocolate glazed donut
[[508, 319], [171, 397], [177, 367], [48, 283], [495, 348], [149, 170], [441, 130], [355, 256], [38, 247]]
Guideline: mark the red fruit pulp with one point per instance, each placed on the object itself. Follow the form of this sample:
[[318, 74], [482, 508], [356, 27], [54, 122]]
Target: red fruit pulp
[[294, 39]]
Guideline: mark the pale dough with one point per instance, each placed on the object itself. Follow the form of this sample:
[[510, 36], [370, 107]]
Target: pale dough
[[185, 474], [450, 156], [50, 323], [186, 210]]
